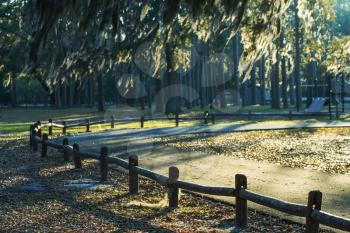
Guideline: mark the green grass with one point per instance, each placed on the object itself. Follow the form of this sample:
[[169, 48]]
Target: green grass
[[265, 108], [34, 114], [14, 127], [17, 121]]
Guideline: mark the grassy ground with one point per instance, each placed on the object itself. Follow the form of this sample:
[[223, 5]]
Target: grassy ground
[[111, 209], [18, 120]]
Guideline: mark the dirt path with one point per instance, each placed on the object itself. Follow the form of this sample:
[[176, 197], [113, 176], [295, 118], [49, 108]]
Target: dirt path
[[289, 184], [45, 195]]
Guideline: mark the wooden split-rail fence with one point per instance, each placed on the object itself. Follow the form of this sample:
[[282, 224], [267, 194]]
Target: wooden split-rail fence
[[206, 118], [312, 212]]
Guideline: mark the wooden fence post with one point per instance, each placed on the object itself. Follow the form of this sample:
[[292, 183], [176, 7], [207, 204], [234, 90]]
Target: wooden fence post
[[213, 119], [314, 202], [39, 129], [31, 133], [64, 129], [133, 176], [44, 145], [173, 192], [77, 159], [241, 204], [290, 115], [65, 150], [35, 133], [249, 115], [104, 163], [87, 125], [142, 121], [177, 120], [50, 126], [112, 122]]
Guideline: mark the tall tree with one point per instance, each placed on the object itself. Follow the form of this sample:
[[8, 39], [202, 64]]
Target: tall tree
[[275, 88], [262, 80], [297, 58], [135, 20], [236, 75], [13, 39], [283, 72], [101, 98]]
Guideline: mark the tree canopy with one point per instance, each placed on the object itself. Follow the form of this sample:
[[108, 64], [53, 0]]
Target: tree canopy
[[59, 42], [126, 24]]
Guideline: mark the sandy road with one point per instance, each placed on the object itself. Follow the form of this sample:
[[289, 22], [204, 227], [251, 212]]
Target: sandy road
[[289, 184]]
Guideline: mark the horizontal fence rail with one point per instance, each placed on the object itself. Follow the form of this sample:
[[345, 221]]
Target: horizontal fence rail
[[331, 220], [311, 212], [205, 118], [286, 207], [218, 191]]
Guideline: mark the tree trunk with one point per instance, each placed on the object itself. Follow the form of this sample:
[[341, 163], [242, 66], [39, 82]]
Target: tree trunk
[[141, 96], [173, 103], [52, 96], [253, 85], [284, 74], [149, 92], [199, 79], [101, 98], [291, 90], [190, 79], [297, 59], [310, 82], [77, 98], [262, 80], [245, 101], [205, 88], [91, 94], [64, 94], [13, 90], [236, 76], [159, 101], [275, 97], [71, 92], [284, 83], [116, 95], [58, 103], [222, 84]]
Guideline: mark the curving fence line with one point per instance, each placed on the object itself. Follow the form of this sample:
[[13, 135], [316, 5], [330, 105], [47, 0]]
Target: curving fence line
[[311, 212], [205, 118]]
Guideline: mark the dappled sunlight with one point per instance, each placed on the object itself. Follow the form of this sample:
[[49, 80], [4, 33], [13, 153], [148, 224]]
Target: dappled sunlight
[[158, 203], [13, 181], [53, 171], [103, 197], [174, 116], [101, 208]]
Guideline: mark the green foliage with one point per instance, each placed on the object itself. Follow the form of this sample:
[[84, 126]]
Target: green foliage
[[338, 59], [123, 26], [13, 41], [317, 20], [261, 29], [79, 39], [342, 9]]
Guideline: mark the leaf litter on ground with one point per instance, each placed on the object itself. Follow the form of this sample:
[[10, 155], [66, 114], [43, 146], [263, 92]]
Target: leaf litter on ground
[[109, 210], [326, 150]]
